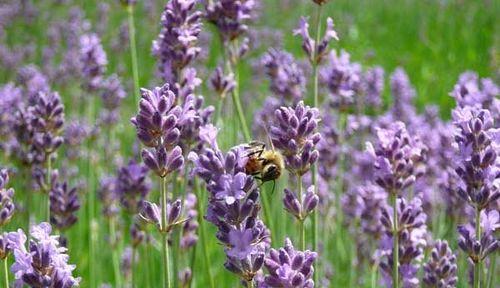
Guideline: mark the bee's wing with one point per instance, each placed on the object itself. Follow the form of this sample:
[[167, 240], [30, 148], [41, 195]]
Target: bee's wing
[[254, 148]]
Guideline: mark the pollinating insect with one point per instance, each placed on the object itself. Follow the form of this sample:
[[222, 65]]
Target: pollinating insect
[[265, 165]]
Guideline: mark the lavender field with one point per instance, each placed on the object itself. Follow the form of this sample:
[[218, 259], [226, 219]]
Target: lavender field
[[249, 143]]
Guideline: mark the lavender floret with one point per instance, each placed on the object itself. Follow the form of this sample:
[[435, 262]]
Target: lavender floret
[[441, 269], [64, 204], [44, 263], [294, 134], [288, 267], [6, 194]]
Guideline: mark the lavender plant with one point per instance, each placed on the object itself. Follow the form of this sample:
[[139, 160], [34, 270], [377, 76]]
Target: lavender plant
[[44, 263], [396, 159], [233, 208], [477, 141], [294, 134], [230, 19], [158, 126]]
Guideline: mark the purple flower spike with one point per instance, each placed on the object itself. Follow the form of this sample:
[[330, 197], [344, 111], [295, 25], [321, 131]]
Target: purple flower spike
[[441, 269], [64, 204], [289, 268], [112, 95], [300, 209], [397, 158], [402, 93], [44, 263], [230, 16], [132, 185], [33, 81], [473, 92], [126, 262], [191, 131], [477, 142], [185, 277], [151, 213], [47, 120], [136, 234], [294, 133], [108, 196], [158, 117], [176, 47], [93, 60], [373, 85], [6, 194], [189, 237], [287, 78], [309, 44], [4, 246], [478, 250], [343, 79], [159, 124], [222, 84], [163, 162]]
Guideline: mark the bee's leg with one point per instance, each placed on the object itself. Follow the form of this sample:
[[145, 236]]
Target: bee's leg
[[274, 186], [260, 179]]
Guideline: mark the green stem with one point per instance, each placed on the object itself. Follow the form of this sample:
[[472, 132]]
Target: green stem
[[218, 113], [374, 276], [48, 180], [90, 111], [314, 168], [203, 237], [340, 188], [6, 272], [165, 248], [91, 222], [134, 254], [477, 266], [147, 264], [265, 208], [191, 265], [116, 259], [133, 52], [177, 234], [166, 261], [491, 271], [302, 231], [315, 64], [250, 284], [233, 67], [239, 110], [395, 248]]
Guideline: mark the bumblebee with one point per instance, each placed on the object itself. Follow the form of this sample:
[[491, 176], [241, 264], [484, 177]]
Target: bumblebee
[[265, 165]]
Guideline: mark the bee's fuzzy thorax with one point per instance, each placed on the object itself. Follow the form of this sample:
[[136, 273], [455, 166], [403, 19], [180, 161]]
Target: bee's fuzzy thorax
[[275, 157]]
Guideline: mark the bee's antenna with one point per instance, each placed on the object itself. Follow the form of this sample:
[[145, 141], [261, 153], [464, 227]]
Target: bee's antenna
[[269, 138]]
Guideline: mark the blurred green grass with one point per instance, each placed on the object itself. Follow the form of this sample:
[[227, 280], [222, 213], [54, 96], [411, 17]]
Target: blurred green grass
[[433, 40]]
